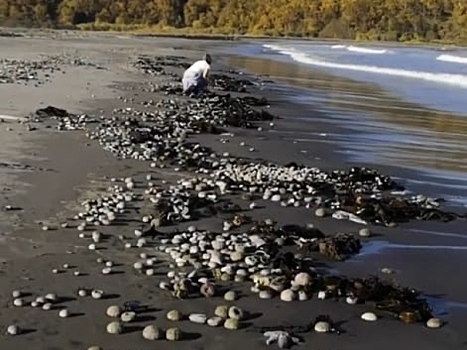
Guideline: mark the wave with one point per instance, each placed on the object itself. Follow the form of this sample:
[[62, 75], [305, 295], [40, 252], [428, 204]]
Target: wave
[[458, 80], [366, 50], [360, 49], [453, 59]]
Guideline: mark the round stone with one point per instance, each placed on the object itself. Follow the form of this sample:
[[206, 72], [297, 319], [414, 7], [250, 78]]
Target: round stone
[[434, 323], [265, 294], [113, 311], [322, 327], [230, 295], [287, 295], [222, 311], [235, 312], [215, 321], [114, 328], [320, 212], [174, 315], [13, 330], [18, 302], [198, 318], [128, 316], [173, 334], [152, 333], [364, 232], [369, 316], [231, 323], [302, 279], [63, 313]]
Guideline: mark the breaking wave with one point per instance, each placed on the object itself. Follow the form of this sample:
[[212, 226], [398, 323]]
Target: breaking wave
[[453, 59], [457, 80]]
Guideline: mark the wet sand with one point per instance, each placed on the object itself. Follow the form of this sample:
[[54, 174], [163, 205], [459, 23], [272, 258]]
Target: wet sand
[[46, 174]]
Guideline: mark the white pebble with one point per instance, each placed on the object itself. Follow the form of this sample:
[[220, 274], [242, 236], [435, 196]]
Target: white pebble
[[369, 316]]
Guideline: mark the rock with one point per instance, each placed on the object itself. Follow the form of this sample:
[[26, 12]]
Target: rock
[[222, 311], [208, 290], [230, 295], [215, 321], [174, 315], [236, 256], [152, 333], [198, 318], [287, 295], [364, 232], [434, 323], [231, 323], [13, 330], [173, 334], [128, 316], [235, 313], [265, 294], [320, 212], [369, 316], [63, 313], [322, 327], [113, 311], [302, 279], [114, 328], [387, 271], [302, 295]]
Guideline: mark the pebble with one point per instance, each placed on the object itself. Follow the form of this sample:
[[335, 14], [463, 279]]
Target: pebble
[[265, 294], [287, 295], [174, 315], [13, 330], [152, 333], [128, 316], [173, 334], [236, 313], [113, 311], [16, 294], [222, 311], [63, 313], [18, 302], [230, 295], [198, 318], [364, 232], [215, 321], [320, 212], [387, 271], [95, 347], [434, 323], [369, 316], [322, 327], [114, 328], [231, 323]]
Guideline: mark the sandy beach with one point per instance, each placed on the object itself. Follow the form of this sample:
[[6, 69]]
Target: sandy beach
[[46, 175]]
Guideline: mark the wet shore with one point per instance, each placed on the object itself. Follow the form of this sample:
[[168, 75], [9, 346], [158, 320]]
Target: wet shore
[[64, 168]]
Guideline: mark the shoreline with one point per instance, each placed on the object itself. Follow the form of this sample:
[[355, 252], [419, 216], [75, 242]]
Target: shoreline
[[131, 285]]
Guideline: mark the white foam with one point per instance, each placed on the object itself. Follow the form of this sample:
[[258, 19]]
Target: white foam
[[338, 47], [366, 50], [457, 80], [453, 59]]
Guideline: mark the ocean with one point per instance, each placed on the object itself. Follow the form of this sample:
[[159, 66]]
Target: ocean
[[403, 107]]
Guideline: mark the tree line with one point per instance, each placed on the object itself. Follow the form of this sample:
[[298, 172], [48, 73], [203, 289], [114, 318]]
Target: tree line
[[395, 20]]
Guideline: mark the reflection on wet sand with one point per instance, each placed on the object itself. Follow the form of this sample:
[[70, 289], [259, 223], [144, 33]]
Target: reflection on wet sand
[[402, 133]]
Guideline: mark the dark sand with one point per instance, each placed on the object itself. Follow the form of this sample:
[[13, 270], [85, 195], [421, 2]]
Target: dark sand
[[66, 167]]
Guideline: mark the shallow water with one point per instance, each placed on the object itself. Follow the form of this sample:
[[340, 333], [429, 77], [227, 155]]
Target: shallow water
[[382, 125]]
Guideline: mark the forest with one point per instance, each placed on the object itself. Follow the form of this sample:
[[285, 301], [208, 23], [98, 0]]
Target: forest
[[390, 20]]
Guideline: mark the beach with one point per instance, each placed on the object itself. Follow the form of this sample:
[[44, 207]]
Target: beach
[[46, 175]]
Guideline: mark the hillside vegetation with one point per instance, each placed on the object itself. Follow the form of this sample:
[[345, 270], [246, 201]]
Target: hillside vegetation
[[395, 20]]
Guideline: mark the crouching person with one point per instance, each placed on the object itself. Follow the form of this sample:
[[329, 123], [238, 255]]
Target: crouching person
[[196, 77]]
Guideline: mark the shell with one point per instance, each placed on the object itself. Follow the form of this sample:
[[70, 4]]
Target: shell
[[369, 316], [236, 313], [208, 290], [152, 333]]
